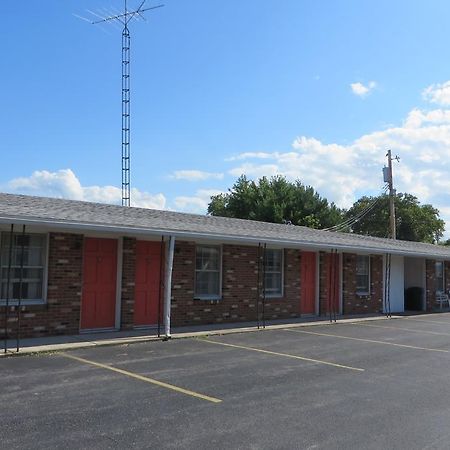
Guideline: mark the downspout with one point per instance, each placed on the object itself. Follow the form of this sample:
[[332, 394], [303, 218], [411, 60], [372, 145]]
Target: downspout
[[168, 285]]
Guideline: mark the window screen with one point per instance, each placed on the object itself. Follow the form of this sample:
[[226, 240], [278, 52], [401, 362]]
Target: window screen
[[31, 285], [363, 274], [207, 271]]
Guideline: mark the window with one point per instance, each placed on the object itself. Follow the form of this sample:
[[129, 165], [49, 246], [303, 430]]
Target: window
[[207, 272], [439, 276], [363, 274], [34, 250], [273, 280]]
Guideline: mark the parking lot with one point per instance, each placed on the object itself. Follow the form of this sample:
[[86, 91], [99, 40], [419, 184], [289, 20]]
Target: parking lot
[[378, 384]]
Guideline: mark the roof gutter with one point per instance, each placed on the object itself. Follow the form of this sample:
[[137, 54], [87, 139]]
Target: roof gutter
[[77, 226]]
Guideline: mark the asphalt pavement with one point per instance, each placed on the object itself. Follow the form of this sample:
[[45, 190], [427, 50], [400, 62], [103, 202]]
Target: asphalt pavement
[[365, 385]]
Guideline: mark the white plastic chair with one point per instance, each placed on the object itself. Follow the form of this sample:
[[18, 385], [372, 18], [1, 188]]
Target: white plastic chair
[[442, 298]]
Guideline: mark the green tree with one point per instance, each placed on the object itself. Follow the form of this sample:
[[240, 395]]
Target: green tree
[[276, 200], [414, 222]]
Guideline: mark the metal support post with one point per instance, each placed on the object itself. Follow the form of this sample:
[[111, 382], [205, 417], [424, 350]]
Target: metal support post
[[258, 283], [8, 283], [161, 283], [19, 304], [168, 285], [264, 287]]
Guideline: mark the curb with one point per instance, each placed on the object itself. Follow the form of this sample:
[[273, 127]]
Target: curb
[[52, 348]]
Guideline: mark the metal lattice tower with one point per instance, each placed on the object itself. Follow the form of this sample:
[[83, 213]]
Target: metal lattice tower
[[125, 113], [125, 18]]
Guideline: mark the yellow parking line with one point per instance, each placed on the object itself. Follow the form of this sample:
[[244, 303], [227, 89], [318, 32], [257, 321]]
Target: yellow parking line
[[369, 340], [401, 328], [142, 378], [286, 355]]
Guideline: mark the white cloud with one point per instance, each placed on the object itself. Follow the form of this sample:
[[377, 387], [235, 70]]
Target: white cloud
[[343, 173], [438, 93], [255, 170], [197, 203], [146, 200], [195, 175], [65, 184], [247, 155], [362, 90]]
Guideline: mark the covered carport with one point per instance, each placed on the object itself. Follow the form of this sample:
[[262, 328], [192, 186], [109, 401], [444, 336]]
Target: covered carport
[[415, 283], [405, 283]]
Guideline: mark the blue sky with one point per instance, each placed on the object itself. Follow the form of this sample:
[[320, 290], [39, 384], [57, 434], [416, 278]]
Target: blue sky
[[315, 90]]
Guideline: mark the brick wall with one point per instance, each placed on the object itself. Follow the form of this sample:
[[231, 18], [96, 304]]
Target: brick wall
[[239, 288], [128, 283], [430, 283], [289, 304], [354, 303], [61, 314], [447, 276], [325, 260], [430, 278], [323, 283]]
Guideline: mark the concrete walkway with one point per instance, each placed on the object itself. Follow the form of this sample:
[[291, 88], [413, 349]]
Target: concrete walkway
[[62, 343]]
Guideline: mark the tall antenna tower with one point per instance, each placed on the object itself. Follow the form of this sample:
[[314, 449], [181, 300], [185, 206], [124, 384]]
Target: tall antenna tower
[[125, 18]]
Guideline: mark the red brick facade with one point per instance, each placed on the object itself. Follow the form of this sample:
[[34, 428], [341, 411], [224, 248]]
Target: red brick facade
[[128, 282], [447, 276], [352, 301], [324, 283], [430, 277], [239, 288], [61, 313]]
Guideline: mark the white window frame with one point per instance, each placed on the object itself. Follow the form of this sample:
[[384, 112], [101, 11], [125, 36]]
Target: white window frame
[[37, 301], [442, 289], [275, 294], [217, 296], [358, 288]]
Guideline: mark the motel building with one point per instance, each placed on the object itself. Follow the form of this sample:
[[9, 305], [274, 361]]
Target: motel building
[[70, 267]]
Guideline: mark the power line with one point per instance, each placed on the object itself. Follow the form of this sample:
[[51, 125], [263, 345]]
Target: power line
[[352, 220]]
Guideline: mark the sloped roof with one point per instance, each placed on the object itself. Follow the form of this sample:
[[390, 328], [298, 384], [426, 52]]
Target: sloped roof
[[58, 213]]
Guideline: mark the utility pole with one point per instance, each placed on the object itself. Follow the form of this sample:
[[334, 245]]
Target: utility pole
[[388, 178]]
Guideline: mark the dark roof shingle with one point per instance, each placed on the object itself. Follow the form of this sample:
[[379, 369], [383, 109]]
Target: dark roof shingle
[[80, 214]]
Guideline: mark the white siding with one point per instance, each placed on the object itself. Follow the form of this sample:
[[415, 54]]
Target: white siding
[[397, 284]]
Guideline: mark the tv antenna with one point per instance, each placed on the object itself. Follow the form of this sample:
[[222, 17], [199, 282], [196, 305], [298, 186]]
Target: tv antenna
[[125, 18]]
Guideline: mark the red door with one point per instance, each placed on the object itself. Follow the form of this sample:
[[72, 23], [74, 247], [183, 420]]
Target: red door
[[332, 266], [98, 303], [308, 283], [147, 287]]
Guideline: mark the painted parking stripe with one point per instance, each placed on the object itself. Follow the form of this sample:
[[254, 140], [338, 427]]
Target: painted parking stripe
[[402, 329], [427, 321], [285, 355], [413, 330], [440, 315], [142, 378], [372, 341]]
